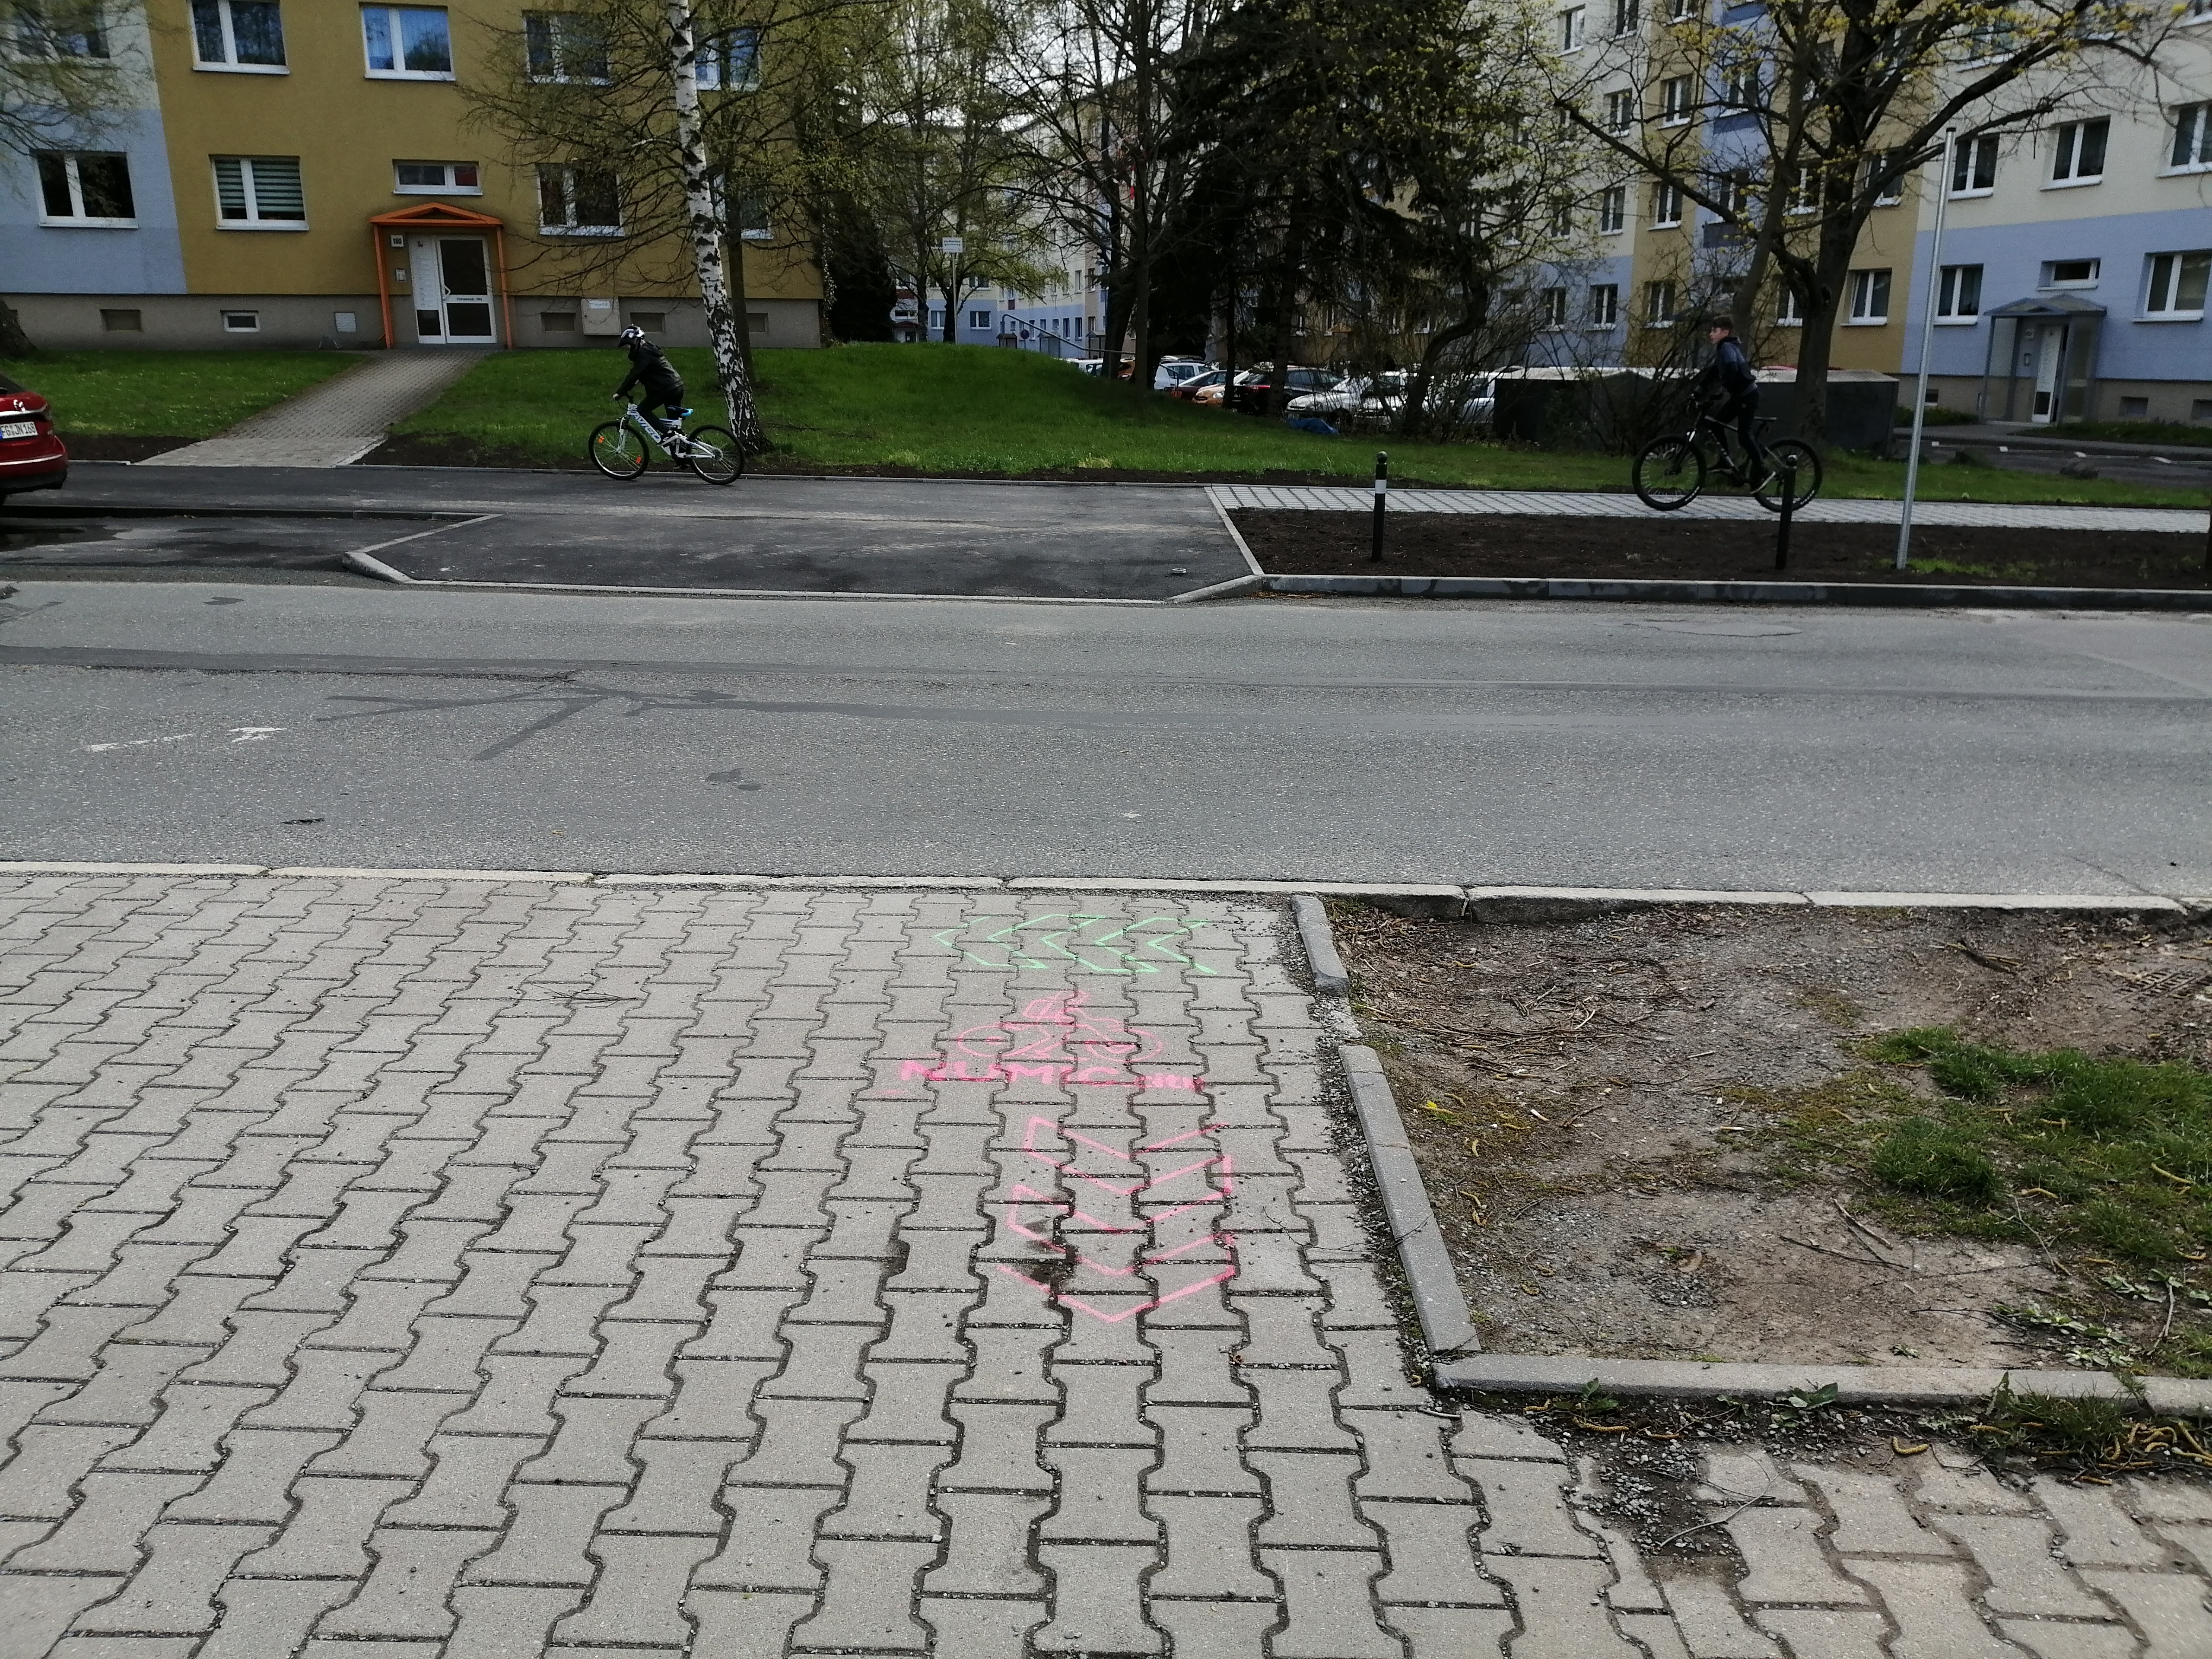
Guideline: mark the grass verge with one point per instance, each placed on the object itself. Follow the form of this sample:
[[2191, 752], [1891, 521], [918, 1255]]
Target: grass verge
[[2162, 433], [978, 410], [167, 394]]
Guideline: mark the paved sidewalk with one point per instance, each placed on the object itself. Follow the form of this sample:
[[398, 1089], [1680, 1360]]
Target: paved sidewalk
[[407, 1267], [336, 421], [1595, 504]]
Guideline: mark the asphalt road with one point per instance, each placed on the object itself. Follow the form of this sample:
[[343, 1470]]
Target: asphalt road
[[1278, 738], [664, 529]]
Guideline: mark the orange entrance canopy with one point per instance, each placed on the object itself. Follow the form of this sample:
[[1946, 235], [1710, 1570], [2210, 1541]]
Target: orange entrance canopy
[[437, 216]]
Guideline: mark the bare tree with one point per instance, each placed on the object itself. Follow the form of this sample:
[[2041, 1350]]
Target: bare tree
[[1790, 128]]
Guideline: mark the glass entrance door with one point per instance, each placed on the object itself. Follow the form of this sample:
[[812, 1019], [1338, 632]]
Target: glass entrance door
[[452, 292], [2050, 372]]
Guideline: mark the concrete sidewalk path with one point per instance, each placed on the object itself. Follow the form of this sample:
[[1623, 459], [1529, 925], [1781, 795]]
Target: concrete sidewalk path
[[407, 1267], [336, 421], [1598, 504]]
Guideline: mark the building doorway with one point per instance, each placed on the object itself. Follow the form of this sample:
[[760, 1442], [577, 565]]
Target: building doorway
[[2043, 364], [453, 291]]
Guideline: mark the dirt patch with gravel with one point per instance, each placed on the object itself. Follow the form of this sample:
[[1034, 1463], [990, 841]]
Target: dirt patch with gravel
[[1657, 548], [1625, 1123]]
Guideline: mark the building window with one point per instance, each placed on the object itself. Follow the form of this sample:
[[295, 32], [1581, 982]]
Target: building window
[[436, 179], [1613, 210], [60, 29], [557, 322], [730, 62], [1666, 206], [979, 319], [1562, 220], [1789, 309], [1604, 305], [1741, 89], [345, 322], [1619, 111], [2079, 152], [1553, 303], [936, 321], [259, 192], [1734, 191], [1804, 191], [241, 322], [2192, 137], [1682, 11], [79, 188], [652, 321], [1660, 300], [559, 45], [2177, 286], [2135, 408], [1959, 294], [1568, 28], [1869, 298], [1674, 102], [2070, 273], [238, 34], [1625, 16], [407, 42], [1974, 167], [122, 322], [1887, 191], [578, 202]]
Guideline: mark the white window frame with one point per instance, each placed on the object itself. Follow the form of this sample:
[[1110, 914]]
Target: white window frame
[[1970, 151], [1605, 304], [34, 38], [1620, 110], [562, 36], [1626, 15], [1894, 191], [1788, 310], [1613, 210], [252, 325], [1804, 195], [449, 188], [391, 13], [1677, 111], [1865, 285], [1949, 284], [714, 57], [1570, 27], [2172, 275], [2192, 135], [570, 227], [979, 319], [2067, 144], [1655, 315], [1553, 302], [1743, 87], [80, 219], [229, 63], [249, 166], [1682, 11], [2048, 277], [1663, 196]]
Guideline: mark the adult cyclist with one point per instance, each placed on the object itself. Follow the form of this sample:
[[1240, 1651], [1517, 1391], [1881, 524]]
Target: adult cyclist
[[1727, 384], [649, 368]]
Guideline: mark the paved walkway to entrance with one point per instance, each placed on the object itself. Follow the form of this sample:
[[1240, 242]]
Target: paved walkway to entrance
[[407, 1267], [337, 420], [1595, 504]]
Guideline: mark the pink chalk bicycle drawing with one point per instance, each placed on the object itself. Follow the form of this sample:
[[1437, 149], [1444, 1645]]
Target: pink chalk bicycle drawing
[[1056, 1041]]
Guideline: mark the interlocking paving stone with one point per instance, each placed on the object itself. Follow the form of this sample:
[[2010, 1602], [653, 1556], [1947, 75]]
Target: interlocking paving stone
[[430, 1269]]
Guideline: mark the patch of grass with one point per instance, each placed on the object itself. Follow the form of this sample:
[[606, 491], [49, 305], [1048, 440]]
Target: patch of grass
[[1833, 1006], [981, 409], [2134, 432], [1936, 416], [167, 394], [2010, 572], [1922, 1155]]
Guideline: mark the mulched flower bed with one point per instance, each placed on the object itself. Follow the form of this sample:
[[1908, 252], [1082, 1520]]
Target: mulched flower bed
[[1658, 548]]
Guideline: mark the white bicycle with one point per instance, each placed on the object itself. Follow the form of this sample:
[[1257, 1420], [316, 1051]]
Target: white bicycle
[[621, 448]]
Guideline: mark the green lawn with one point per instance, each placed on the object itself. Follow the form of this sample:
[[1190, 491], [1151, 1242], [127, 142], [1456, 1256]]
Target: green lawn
[[2165, 433], [979, 408], [167, 394]]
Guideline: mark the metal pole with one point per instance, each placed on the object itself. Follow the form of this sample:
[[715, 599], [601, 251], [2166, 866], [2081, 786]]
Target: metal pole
[[1788, 506], [1382, 501], [1927, 339]]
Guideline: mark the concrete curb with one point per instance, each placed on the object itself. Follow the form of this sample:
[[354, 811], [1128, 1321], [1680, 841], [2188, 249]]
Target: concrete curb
[[1329, 977], [1855, 594], [1437, 1302], [1855, 1385]]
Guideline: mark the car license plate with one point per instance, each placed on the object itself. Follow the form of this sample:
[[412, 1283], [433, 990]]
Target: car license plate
[[18, 429]]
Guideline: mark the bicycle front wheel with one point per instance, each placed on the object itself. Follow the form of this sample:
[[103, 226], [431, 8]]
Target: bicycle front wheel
[[715, 455], [1807, 464], [1669, 472], [616, 450]]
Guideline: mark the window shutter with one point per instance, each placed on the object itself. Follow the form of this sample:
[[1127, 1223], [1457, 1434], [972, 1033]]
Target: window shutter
[[276, 193], [230, 186]]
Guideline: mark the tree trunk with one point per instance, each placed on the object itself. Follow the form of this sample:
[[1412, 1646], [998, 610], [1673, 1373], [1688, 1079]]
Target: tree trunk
[[1141, 204], [733, 254], [14, 342], [1814, 351], [705, 228]]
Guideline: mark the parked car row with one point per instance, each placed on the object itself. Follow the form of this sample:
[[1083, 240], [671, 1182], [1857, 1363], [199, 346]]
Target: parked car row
[[1355, 401], [31, 454]]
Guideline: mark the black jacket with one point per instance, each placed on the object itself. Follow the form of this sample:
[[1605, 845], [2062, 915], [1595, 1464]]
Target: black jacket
[[650, 367], [1730, 372]]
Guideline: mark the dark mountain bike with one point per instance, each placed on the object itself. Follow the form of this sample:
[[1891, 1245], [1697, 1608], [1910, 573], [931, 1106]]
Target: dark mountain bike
[[1671, 472]]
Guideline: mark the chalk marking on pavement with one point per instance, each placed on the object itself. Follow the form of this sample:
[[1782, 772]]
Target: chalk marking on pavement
[[136, 743]]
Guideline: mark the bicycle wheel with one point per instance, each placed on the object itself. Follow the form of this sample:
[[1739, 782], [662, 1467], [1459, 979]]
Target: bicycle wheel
[[616, 450], [1669, 472], [1808, 465], [714, 455]]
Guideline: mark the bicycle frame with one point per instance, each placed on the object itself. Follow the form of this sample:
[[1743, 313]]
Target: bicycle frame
[[645, 429], [1709, 425]]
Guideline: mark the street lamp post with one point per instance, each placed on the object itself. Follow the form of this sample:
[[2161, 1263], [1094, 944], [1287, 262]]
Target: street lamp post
[[1927, 339]]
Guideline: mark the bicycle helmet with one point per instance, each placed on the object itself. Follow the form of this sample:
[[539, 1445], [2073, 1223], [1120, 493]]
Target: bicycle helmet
[[632, 335]]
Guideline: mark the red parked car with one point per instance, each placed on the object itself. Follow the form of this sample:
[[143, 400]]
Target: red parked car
[[31, 456]]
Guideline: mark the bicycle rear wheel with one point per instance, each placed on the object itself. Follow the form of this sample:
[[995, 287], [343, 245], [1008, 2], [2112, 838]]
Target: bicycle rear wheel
[[1669, 472], [616, 450], [715, 455], [1807, 463]]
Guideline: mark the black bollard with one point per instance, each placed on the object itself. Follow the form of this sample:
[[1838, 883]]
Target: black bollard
[[1381, 502], [1789, 505]]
